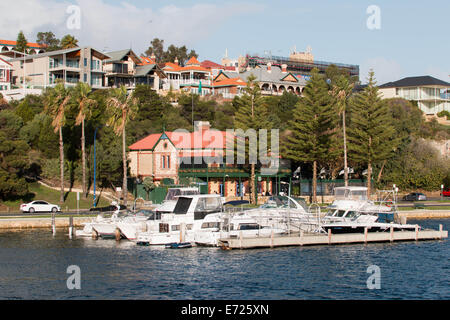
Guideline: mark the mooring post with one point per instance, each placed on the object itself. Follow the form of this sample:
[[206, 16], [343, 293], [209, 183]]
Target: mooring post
[[365, 234], [53, 224], [329, 236], [440, 231], [417, 231], [240, 239], [70, 227], [392, 233]]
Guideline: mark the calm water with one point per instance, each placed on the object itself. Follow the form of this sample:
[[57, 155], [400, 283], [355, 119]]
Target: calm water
[[33, 265]]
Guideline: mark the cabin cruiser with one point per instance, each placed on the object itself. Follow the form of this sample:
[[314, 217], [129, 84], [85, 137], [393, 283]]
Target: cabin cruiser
[[89, 231], [170, 200], [352, 211], [285, 212], [186, 218], [223, 225], [142, 221]]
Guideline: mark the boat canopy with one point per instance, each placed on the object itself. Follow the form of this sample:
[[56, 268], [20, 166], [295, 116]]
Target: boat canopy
[[350, 193]]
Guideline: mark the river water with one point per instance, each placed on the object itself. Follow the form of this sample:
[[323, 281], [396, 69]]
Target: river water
[[33, 265]]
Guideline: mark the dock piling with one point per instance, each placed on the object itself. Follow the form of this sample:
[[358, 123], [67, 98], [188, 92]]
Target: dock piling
[[53, 224], [329, 236], [70, 227], [440, 231]]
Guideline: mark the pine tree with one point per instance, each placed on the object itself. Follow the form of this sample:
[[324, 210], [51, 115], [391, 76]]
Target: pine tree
[[251, 114], [311, 126], [371, 134], [21, 42]]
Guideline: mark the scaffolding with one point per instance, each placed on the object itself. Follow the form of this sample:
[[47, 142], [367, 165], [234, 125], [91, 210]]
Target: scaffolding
[[297, 65]]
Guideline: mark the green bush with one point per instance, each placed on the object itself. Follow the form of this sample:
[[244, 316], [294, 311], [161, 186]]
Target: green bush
[[443, 114]]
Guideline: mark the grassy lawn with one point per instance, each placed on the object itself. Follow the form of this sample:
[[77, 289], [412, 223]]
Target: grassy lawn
[[40, 192]]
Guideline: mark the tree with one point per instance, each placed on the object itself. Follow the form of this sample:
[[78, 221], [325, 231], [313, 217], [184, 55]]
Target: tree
[[68, 42], [86, 106], [21, 42], [311, 126], [251, 114], [156, 49], [341, 92], [48, 40], [371, 134], [122, 107], [56, 102]]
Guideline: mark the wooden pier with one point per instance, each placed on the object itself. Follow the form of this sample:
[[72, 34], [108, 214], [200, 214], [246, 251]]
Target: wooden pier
[[305, 239]]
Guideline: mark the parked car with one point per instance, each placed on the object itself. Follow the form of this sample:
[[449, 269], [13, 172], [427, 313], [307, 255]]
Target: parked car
[[415, 196], [39, 206], [446, 193], [110, 208]]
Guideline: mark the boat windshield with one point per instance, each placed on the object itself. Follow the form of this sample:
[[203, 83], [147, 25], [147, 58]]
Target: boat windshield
[[249, 226], [340, 213], [210, 205], [350, 194], [352, 214], [331, 212], [283, 202], [173, 193]]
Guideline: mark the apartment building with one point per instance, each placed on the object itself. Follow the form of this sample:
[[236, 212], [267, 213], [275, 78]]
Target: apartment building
[[126, 68], [69, 66], [431, 95]]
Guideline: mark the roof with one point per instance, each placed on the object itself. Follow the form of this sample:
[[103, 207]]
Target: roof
[[29, 44], [416, 81], [9, 64], [170, 66], [144, 70], [204, 139], [211, 65], [119, 55], [274, 76], [192, 61], [230, 82], [147, 60], [58, 52]]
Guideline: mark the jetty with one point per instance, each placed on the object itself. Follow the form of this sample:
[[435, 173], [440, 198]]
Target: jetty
[[310, 239]]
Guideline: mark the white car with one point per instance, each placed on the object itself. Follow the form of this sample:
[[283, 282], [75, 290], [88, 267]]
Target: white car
[[39, 206]]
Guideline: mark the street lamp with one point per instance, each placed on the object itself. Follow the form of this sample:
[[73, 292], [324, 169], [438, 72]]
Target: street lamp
[[95, 162]]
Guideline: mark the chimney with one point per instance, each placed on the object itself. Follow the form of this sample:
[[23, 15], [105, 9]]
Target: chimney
[[284, 68], [269, 67], [176, 60], [202, 125]]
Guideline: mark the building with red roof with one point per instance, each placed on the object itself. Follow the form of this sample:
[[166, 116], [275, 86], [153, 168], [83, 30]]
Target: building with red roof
[[33, 48], [199, 156]]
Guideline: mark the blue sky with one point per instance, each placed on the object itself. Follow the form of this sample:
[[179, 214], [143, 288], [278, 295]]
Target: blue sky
[[413, 38]]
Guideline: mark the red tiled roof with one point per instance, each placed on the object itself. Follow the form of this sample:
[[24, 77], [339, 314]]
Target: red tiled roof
[[147, 60], [230, 68], [14, 43], [192, 61], [211, 65], [205, 139], [230, 82]]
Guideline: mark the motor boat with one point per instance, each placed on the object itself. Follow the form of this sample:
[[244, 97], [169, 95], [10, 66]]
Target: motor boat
[[142, 221], [225, 225], [352, 212], [170, 200], [180, 225]]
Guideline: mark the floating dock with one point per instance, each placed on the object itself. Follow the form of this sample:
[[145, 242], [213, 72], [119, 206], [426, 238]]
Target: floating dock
[[305, 239]]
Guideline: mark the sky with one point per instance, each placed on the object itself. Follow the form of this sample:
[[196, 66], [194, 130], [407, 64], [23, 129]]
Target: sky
[[404, 38]]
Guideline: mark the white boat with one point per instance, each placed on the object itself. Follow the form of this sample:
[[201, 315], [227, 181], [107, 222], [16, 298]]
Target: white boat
[[180, 225], [352, 211], [170, 200], [223, 225], [141, 221]]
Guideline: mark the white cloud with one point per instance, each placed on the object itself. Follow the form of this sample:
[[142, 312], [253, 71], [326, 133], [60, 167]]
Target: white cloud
[[385, 70], [117, 26]]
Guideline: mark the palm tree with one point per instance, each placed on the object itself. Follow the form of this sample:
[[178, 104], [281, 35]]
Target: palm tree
[[68, 42], [341, 92], [86, 106], [56, 101], [122, 107]]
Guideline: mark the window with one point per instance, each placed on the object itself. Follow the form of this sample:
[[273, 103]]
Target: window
[[85, 62], [249, 226], [168, 162], [163, 162], [85, 77], [176, 227]]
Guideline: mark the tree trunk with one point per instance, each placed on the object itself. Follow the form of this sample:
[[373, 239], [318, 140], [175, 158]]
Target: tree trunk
[[381, 171], [369, 178], [314, 182], [345, 151], [61, 164], [252, 183], [124, 159], [83, 151]]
